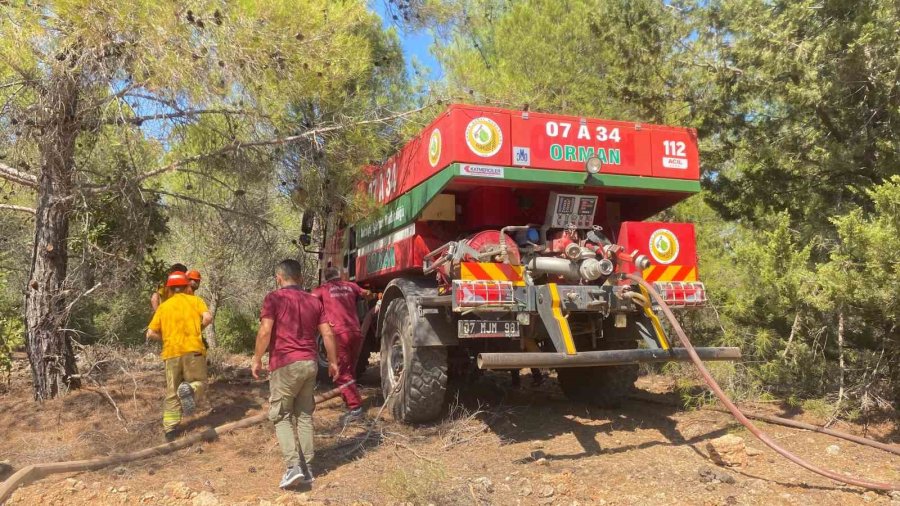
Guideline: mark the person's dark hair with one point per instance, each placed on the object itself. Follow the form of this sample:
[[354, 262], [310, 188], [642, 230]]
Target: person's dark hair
[[331, 273], [178, 268], [289, 269]]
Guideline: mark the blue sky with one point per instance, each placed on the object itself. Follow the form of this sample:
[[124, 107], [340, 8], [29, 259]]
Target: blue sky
[[416, 44]]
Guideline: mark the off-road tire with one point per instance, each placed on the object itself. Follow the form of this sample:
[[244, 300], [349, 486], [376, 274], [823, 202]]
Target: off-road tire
[[605, 387], [419, 394], [362, 363], [321, 361]]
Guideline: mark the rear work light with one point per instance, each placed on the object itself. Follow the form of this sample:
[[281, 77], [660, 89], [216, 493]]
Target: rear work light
[[682, 293], [482, 293]]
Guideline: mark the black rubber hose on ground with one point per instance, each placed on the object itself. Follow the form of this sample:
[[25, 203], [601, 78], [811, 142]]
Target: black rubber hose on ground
[[736, 412]]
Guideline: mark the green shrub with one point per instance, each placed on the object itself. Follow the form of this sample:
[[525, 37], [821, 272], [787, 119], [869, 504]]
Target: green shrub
[[235, 330], [420, 485], [12, 336]]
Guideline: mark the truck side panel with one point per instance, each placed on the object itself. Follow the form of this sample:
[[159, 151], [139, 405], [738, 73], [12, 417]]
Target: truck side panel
[[495, 137]]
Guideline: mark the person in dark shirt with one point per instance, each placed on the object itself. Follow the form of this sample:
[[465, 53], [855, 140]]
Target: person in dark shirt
[[339, 299], [289, 320]]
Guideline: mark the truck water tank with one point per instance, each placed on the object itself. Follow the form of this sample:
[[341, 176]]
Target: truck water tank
[[490, 206]]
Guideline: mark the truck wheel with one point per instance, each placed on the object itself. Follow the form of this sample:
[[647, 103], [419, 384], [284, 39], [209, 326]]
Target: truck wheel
[[322, 359], [605, 387], [413, 380], [362, 363]]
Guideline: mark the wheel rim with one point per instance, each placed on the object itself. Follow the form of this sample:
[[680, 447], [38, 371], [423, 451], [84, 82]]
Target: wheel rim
[[395, 359]]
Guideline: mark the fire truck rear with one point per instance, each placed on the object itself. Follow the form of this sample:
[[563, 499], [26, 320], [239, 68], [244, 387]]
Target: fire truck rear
[[503, 243]]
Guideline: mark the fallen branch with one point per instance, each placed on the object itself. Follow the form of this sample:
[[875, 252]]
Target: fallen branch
[[426, 459], [22, 209], [777, 420], [105, 393], [35, 472]]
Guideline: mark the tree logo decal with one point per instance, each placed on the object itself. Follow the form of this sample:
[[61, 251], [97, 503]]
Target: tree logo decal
[[434, 148], [483, 136], [663, 246]]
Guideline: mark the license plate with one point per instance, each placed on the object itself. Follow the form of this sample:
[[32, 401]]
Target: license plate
[[485, 328]]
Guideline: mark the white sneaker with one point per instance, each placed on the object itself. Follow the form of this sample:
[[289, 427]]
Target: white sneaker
[[291, 477]]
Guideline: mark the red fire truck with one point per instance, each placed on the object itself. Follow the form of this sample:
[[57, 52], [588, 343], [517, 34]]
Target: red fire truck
[[503, 241]]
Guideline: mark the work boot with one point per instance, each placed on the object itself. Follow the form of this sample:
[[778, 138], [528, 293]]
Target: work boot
[[291, 477], [170, 435], [352, 415], [186, 394]]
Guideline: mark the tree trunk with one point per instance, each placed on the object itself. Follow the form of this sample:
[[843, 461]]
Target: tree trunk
[[794, 329], [213, 306], [49, 349], [840, 342]]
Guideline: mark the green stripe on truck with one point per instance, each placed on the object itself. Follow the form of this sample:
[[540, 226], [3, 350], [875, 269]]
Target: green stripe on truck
[[600, 180], [406, 208]]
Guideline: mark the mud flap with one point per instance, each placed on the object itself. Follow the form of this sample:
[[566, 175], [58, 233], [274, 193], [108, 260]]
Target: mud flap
[[647, 332], [431, 326], [548, 306]]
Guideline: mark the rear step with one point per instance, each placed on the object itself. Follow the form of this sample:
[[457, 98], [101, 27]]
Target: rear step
[[595, 358]]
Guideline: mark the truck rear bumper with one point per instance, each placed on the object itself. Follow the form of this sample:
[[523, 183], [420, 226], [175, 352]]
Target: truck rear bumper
[[600, 358]]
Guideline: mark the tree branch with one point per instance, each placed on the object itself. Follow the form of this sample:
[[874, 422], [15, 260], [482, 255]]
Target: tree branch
[[208, 204], [10, 207], [138, 120], [16, 83], [17, 176], [280, 141]]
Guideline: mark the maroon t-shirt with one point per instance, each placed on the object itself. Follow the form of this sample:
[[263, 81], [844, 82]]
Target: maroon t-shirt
[[297, 315], [339, 298]]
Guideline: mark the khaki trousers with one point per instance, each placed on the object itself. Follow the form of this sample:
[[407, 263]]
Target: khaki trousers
[[191, 368], [292, 401]]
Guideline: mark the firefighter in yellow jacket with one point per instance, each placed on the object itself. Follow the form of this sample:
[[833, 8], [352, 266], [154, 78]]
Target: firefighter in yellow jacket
[[178, 322]]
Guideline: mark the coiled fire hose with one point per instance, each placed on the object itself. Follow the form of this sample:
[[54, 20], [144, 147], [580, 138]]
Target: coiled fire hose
[[736, 412]]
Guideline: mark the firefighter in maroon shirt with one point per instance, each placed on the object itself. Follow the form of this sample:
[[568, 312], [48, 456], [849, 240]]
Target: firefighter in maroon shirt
[[289, 321], [339, 298]]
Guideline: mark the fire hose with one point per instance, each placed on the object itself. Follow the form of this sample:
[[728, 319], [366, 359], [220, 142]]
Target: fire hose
[[36, 472], [738, 414]]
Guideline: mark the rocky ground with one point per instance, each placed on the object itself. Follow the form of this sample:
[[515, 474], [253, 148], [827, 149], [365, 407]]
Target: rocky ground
[[496, 445]]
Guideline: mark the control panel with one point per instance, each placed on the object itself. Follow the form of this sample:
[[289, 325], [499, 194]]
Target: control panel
[[567, 209]]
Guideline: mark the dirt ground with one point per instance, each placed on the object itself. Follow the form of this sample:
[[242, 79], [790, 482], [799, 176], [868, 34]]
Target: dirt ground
[[496, 445]]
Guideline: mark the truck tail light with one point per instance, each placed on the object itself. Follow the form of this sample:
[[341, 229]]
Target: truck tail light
[[682, 293], [480, 293]]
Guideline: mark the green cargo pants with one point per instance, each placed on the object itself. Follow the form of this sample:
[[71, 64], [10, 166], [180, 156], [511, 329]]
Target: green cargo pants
[[191, 368], [292, 401]]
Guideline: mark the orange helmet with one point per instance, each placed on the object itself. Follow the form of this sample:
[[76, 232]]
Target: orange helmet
[[193, 275], [177, 279]]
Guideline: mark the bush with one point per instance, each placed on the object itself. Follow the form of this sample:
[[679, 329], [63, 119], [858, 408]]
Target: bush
[[12, 336], [421, 485], [235, 330]]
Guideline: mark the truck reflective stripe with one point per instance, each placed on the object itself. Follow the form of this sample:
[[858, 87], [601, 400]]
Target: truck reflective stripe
[[691, 275], [663, 273], [670, 273], [473, 270], [493, 272], [561, 320]]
